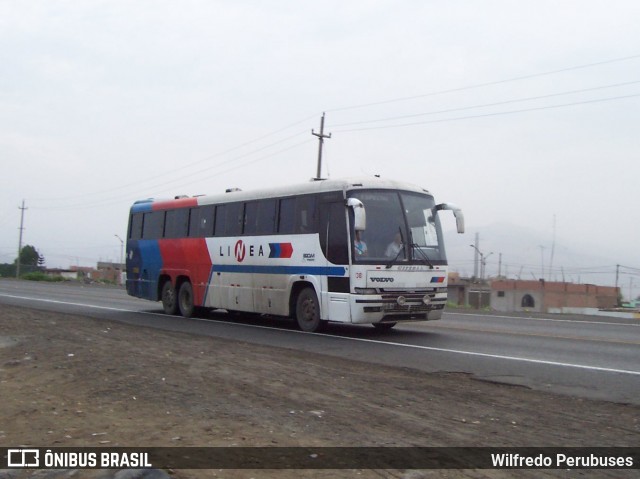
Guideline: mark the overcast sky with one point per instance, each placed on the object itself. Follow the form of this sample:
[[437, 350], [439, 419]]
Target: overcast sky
[[515, 110]]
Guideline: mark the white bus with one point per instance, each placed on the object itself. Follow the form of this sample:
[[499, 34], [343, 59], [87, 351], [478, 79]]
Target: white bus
[[360, 251]]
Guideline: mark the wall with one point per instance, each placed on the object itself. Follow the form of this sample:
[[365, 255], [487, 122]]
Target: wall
[[507, 295]]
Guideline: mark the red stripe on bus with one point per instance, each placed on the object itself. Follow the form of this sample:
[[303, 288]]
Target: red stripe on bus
[[173, 204]]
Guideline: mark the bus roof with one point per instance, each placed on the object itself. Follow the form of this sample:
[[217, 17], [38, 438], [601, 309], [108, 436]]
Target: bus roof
[[313, 186]]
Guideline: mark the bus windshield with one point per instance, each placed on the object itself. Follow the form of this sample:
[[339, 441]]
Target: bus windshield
[[402, 227]]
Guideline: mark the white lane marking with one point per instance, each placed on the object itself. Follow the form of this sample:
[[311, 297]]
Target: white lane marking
[[496, 356], [83, 305], [364, 340], [552, 320]]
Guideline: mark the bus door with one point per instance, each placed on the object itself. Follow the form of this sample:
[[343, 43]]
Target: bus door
[[334, 241]]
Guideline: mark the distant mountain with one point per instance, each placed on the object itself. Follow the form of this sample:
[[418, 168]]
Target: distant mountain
[[527, 254]]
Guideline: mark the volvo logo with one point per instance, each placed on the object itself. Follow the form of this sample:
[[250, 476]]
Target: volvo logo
[[382, 280]]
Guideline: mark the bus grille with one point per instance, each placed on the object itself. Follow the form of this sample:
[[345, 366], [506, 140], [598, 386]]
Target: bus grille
[[412, 304]]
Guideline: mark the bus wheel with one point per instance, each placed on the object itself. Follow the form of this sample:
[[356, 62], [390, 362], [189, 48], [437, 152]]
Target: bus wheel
[[169, 300], [185, 299], [308, 311], [384, 326]]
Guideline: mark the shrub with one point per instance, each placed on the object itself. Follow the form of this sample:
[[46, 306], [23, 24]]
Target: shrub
[[39, 276]]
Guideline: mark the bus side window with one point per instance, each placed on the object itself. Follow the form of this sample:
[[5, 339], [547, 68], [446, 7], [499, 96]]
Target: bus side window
[[221, 216], [194, 222], [286, 218], [251, 218], [176, 223], [306, 215], [206, 220], [229, 219], [153, 225], [135, 228], [266, 220], [235, 219]]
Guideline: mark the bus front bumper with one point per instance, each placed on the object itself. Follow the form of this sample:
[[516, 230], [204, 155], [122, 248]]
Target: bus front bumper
[[398, 306]]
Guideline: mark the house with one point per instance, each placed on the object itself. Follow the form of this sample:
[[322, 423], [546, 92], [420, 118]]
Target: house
[[549, 296], [468, 292]]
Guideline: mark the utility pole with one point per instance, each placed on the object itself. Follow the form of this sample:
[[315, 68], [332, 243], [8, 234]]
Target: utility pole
[[22, 209], [553, 247], [476, 247], [321, 136], [484, 264], [121, 258], [483, 259]]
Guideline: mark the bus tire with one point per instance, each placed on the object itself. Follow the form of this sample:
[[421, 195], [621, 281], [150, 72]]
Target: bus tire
[[169, 298], [308, 311], [185, 300]]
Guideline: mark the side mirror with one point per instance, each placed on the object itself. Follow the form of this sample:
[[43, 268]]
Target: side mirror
[[457, 212], [359, 214]]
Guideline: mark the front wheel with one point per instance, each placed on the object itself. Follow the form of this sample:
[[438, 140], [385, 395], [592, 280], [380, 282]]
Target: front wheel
[[185, 299], [169, 299], [308, 311]]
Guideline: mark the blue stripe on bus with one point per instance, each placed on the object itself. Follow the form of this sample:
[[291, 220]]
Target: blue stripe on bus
[[147, 259], [142, 207], [207, 286], [317, 270]]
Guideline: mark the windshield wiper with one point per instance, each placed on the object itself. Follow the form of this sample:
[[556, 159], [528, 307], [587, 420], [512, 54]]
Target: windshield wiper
[[416, 247], [423, 254]]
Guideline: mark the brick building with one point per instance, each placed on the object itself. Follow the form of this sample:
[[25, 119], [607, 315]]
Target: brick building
[[104, 271], [546, 296], [467, 292]]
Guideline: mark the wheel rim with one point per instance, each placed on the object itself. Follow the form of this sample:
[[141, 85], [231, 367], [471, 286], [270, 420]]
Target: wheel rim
[[169, 297], [186, 299], [309, 313]]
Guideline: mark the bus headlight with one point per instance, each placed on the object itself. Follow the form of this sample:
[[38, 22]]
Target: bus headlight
[[426, 299], [366, 291], [401, 300]]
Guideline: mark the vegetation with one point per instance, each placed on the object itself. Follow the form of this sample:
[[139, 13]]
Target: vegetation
[[40, 276], [29, 256], [7, 270], [31, 261]]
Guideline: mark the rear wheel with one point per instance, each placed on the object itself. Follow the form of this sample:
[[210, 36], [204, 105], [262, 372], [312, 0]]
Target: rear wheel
[[185, 299], [308, 311], [169, 298]]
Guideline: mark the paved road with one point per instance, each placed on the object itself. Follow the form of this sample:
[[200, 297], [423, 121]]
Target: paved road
[[580, 356]]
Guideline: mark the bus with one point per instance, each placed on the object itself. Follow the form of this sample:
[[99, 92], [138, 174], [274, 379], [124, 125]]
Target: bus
[[358, 251]]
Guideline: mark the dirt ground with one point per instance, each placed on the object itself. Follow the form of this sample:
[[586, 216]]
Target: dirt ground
[[69, 380]]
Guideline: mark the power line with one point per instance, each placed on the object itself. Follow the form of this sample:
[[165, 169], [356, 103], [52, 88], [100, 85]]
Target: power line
[[189, 165], [500, 113], [480, 85], [109, 202], [251, 162], [484, 105], [138, 184]]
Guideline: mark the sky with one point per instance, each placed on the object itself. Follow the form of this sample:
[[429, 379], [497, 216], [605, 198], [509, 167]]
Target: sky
[[522, 113]]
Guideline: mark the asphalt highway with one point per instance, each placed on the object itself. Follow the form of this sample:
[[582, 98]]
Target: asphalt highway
[[581, 356]]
